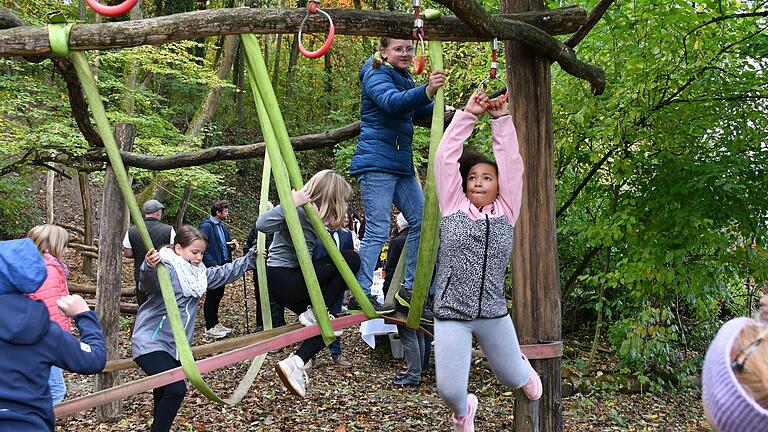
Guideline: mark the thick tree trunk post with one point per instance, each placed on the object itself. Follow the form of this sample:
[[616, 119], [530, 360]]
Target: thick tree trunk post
[[50, 179], [535, 267], [85, 195], [108, 276]]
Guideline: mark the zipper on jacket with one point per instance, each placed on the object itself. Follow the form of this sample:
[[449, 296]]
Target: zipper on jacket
[[159, 326], [447, 284], [485, 262], [397, 142]]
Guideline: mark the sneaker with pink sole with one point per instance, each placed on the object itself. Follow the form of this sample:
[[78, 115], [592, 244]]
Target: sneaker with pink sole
[[532, 388], [467, 422]]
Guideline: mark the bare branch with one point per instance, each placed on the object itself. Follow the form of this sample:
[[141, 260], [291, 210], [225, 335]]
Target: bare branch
[[479, 20], [594, 18]]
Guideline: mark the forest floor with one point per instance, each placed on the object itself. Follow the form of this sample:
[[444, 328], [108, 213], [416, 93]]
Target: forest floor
[[362, 398]]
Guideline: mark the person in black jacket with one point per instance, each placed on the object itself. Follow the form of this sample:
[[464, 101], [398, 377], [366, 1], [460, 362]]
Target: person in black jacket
[[219, 252], [30, 343], [160, 233]]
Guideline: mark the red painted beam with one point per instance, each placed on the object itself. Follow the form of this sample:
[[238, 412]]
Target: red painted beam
[[205, 365]]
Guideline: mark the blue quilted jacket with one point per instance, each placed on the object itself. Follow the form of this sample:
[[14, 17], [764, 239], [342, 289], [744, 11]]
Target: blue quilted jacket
[[390, 99]]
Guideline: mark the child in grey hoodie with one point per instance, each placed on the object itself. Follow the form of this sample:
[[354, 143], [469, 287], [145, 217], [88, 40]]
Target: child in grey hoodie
[[154, 349]]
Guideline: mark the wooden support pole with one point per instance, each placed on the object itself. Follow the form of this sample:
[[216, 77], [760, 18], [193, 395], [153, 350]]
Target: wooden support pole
[[87, 201], [535, 274], [108, 276]]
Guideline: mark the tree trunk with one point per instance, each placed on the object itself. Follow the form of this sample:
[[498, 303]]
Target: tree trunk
[[85, 195], [535, 267], [183, 208], [292, 59], [208, 108], [50, 179], [276, 69], [108, 277], [328, 78], [239, 79]]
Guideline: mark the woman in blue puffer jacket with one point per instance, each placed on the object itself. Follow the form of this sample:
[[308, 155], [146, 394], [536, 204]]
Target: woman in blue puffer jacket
[[383, 159]]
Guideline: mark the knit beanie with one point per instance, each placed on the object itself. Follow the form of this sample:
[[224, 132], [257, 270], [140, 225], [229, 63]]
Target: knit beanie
[[729, 406], [22, 268]]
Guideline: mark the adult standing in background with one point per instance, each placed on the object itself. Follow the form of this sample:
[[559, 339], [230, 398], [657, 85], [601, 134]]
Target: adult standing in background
[[133, 247], [219, 252]]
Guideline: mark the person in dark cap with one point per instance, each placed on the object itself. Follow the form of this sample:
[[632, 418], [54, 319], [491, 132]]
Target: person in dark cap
[[160, 233], [30, 343]]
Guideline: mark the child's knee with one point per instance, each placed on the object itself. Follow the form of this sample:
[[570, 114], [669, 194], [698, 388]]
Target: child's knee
[[176, 391]]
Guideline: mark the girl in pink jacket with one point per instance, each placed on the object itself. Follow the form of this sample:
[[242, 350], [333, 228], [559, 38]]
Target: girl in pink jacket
[[479, 204], [51, 241]]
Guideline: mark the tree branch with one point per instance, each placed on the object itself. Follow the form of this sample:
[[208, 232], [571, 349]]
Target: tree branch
[[594, 18], [215, 154], [476, 17], [595, 168], [33, 41]]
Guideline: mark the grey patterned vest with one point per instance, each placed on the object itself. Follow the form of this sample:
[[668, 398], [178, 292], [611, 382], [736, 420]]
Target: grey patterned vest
[[472, 264]]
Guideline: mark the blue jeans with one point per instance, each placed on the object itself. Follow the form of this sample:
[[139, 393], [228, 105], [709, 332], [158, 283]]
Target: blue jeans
[[57, 385], [379, 191]]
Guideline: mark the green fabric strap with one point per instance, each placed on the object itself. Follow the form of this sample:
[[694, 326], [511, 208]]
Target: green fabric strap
[[430, 224], [280, 171], [188, 364], [58, 34], [274, 117]]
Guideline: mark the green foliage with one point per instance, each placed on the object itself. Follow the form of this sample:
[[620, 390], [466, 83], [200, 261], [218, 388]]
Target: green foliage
[[16, 209]]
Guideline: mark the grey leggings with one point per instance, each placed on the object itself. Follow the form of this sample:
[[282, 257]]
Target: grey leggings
[[453, 354]]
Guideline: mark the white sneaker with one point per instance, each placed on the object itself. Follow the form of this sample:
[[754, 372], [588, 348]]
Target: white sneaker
[[293, 375], [221, 327], [215, 333], [308, 318]]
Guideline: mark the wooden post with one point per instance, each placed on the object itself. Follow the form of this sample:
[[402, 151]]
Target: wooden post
[[535, 267], [85, 195], [111, 233]]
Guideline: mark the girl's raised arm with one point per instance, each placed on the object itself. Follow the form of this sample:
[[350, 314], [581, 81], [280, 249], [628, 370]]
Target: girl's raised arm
[[447, 177], [510, 163]]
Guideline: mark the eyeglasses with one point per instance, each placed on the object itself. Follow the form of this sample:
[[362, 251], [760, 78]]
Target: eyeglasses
[[741, 359], [404, 51]]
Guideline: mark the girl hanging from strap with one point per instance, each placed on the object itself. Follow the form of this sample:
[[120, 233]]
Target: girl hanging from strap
[[479, 204], [329, 193]]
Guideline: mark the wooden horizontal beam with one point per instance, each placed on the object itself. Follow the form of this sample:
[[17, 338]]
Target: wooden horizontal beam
[[125, 308], [32, 41], [213, 347], [76, 288]]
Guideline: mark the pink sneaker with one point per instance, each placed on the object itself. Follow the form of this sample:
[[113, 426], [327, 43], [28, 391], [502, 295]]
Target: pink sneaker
[[467, 422], [532, 388]]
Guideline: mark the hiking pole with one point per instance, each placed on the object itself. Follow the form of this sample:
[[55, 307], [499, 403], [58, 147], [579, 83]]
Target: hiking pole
[[245, 302]]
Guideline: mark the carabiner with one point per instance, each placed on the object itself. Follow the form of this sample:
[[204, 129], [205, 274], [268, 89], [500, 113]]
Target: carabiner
[[112, 11], [312, 10], [418, 36]]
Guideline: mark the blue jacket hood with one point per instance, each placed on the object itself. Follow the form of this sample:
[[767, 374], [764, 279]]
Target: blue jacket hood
[[22, 268], [23, 321]]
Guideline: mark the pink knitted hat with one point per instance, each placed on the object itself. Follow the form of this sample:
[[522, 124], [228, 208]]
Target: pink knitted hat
[[730, 407]]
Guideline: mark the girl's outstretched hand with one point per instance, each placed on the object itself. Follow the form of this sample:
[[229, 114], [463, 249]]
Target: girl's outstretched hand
[[497, 107], [436, 80], [476, 103]]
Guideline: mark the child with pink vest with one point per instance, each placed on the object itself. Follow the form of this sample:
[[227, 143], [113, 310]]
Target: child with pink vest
[[51, 241], [479, 203]]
